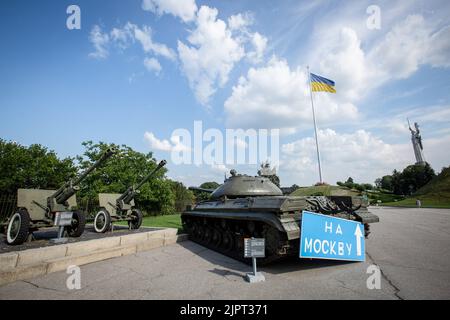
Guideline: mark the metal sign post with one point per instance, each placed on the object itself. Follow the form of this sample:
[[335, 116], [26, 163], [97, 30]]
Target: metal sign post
[[254, 248], [62, 219]]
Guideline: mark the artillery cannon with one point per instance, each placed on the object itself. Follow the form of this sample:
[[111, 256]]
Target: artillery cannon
[[37, 208], [120, 207]]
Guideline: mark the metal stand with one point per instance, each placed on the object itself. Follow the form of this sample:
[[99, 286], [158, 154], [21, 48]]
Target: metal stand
[[256, 276], [60, 238]]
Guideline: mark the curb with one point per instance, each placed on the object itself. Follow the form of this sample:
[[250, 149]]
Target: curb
[[32, 263]]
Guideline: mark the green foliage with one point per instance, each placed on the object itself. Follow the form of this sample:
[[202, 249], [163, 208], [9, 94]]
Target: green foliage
[[435, 194], [411, 179], [438, 185], [183, 196], [385, 183], [31, 167], [203, 196], [210, 185], [123, 170], [356, 186]]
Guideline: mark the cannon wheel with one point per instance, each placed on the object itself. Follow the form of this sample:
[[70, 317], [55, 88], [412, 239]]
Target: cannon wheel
[[18, 227], [78, 224], [137, 219], [102, 221]]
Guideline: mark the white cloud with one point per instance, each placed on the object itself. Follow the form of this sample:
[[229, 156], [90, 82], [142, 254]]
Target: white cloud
[[438, 54], [340, 55], [211, 55], [360, 155], [174, 144], [122, 37], [403, 48], [127, 35], [259, 43], [274, 96], [152, 65], [240, 21], [144, 36], [156, 144], [184, 9], [100, 41]]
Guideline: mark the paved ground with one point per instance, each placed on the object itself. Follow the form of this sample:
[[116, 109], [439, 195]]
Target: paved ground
[[411, 246]]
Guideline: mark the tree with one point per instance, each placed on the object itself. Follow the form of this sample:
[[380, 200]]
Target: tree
[[378, 183], [411, 179], [183, 196], [203, 196], [386, 183], [32, 167], [123, 170]]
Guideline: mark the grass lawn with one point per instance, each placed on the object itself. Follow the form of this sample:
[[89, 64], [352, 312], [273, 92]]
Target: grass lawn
[[427, 202], [166, 221]]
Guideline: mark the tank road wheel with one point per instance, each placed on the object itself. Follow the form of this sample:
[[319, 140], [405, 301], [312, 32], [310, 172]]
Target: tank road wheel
[[216, 237], [196, 231], [137, 219], [272, 237], [18, 227], [227, 241], [200, 232], [78, 224], [102, 221], [207, 238]]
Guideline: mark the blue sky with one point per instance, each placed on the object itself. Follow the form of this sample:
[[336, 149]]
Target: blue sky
[[145, 68]]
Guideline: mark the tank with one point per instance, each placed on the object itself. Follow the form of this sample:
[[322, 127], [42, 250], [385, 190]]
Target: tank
[[253, 206]]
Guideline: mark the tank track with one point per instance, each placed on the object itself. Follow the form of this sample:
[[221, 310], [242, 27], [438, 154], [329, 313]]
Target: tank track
[[226, 236]]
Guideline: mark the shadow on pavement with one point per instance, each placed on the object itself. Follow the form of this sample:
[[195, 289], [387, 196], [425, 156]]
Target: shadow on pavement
[[278, 267]]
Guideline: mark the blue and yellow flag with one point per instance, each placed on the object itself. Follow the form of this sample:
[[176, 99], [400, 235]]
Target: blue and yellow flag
[[319, 83]]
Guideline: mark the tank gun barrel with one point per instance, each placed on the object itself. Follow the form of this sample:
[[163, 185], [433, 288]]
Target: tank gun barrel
[[131, 192], [201, 189]]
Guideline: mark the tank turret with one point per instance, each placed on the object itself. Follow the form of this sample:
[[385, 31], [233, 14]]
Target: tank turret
[[241, 186]]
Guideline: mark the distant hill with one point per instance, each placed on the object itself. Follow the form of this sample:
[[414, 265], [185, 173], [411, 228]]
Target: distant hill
[[435, 194], [325, 191], [439, 186]]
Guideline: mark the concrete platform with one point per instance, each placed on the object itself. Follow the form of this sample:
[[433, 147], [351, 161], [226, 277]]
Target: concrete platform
[[29, 263], [42, 237]]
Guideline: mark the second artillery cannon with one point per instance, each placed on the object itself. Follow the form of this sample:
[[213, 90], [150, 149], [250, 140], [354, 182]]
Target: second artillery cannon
[[121, 207]]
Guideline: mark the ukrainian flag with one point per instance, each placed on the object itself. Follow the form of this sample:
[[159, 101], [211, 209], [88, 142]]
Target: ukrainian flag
[[319, 83]]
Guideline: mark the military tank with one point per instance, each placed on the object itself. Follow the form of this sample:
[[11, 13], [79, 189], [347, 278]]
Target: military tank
[[253, 206]]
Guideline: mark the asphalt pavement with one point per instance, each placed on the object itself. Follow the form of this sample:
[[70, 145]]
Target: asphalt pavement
[[410, 246]]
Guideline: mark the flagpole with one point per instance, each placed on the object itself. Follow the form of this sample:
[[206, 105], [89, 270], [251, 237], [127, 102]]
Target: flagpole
[[315, 125]]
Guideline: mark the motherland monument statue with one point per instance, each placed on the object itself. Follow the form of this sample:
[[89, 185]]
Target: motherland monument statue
[[416, 140]]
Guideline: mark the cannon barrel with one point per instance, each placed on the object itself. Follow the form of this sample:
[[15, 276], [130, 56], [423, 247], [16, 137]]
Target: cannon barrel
[[131, 192], [160, 165], [71, 187]]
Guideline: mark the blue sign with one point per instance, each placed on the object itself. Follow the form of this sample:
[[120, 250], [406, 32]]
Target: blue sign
[[325, 237]]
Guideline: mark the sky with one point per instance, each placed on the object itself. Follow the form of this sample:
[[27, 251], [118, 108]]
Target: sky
[[138, 70]]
